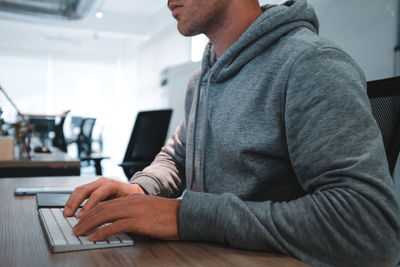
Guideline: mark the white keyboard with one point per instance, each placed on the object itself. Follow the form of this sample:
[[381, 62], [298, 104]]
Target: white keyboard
[[58, 231]]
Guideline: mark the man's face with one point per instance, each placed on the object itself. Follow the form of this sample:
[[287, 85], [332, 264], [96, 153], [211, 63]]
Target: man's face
[[197, 16]]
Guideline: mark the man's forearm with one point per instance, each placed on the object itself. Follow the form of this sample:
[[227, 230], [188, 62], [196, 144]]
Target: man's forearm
[[330, 227]]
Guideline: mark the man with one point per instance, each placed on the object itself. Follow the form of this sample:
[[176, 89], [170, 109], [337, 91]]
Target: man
[[278, 150]]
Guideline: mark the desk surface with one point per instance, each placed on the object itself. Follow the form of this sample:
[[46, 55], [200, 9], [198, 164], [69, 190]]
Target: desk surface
[[54, 159], [22, 242]]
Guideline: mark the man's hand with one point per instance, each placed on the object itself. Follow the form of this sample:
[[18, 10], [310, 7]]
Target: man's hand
[[97, 191], [145, 215]]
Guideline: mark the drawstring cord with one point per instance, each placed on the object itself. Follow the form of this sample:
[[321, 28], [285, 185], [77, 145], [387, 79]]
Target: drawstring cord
[[196, 112], [204, 133]]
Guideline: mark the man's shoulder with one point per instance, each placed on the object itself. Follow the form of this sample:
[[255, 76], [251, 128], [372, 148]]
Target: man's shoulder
[[305, 42], [301, 40], [194, 78], [191, 88]]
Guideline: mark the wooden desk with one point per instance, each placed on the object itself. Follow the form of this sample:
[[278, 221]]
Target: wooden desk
[[56, 163], [22, 242]]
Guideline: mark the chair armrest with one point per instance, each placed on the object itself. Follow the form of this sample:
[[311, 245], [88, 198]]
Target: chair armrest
[[134, 163]]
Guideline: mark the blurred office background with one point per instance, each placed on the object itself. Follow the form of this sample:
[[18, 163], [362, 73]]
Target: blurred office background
[[127, 56]]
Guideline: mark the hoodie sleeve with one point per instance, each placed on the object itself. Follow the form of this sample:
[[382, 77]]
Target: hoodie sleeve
[[349, 215], [166, 175]]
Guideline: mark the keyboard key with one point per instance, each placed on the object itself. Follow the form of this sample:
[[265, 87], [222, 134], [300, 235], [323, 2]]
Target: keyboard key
[[125, 238], [72, 221], [85, 240], [113, 240], [77, 212]]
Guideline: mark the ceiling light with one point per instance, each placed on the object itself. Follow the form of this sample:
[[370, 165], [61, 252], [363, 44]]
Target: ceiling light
[[99, 14]]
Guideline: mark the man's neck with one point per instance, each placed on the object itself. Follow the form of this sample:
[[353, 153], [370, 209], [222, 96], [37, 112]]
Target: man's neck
[[227, 31]]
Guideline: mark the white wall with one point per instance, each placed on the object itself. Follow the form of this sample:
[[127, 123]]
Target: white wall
[[365, 29], [167, 48], [23, 75]]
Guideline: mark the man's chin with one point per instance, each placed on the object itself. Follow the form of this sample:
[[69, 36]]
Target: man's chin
[[187, 32]]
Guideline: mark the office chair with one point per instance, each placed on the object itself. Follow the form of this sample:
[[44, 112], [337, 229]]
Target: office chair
[[147, 138], [84, 140], [59, 140], [84, 143], [384, 96]]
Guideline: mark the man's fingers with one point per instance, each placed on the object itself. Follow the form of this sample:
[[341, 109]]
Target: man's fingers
[[101, 193], [115, 228], [103, 213], [78, 196], [152, 216]]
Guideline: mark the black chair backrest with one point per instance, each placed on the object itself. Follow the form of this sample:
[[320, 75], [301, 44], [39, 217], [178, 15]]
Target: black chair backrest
[[75, 126], [84, 140], [148, 135], [384, 96], [59, 138], [43, 126]]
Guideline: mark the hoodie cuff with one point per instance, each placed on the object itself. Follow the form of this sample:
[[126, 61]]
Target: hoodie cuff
[[198, 216], [148, 184]]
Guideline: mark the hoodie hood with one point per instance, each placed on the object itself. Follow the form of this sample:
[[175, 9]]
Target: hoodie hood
[[273, 24]]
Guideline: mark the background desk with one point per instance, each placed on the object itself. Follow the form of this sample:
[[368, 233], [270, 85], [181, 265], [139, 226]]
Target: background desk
[[22, 242], [56, 163]]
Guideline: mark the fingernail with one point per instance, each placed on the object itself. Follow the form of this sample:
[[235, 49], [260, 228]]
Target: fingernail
[[75, 229], [92, 237], [66, 210], [80, 215]]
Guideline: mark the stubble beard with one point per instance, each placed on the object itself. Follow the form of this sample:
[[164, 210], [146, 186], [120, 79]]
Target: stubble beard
[[190, 29], [195, 24]]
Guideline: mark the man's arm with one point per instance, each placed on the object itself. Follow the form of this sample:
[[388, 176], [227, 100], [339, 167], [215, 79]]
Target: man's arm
[[349, 216], [166, 174], [130, 212]]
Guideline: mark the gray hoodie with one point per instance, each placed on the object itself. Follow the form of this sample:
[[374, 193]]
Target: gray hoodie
[[279, 151]]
